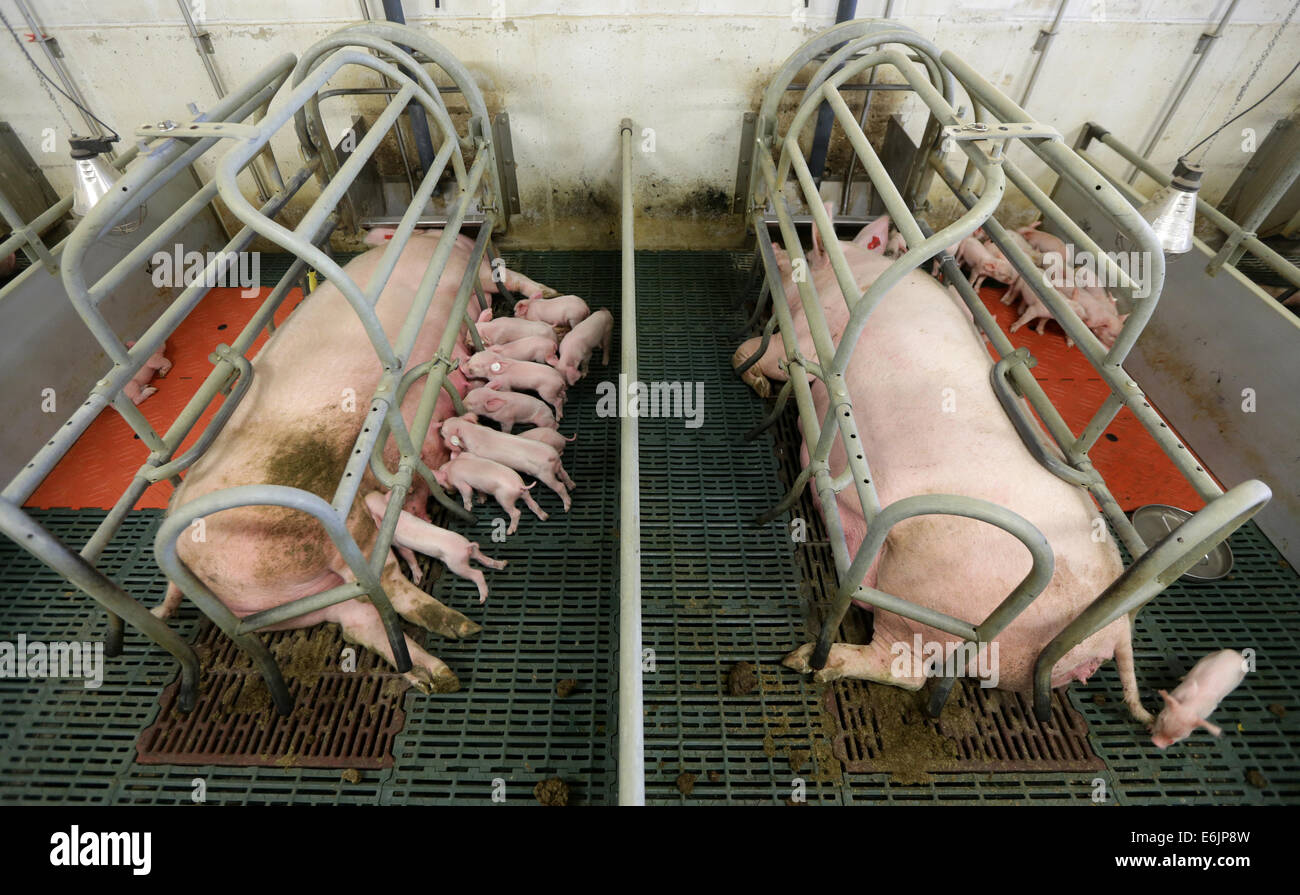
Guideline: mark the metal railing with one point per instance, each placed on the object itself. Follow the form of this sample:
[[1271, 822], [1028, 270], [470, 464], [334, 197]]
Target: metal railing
[[631, 709], [165, 152], [1240, 238], [856, 47]]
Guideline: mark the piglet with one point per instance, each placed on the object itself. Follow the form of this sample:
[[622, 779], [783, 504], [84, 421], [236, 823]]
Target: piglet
[[549, 436], [504, 373], [504, 330], [1047, 244], [984, 263], [563, 310], [453, 549], [463, 434], [576, 347], [1202, 689], [139, 388], [468, 473], [509, 408], [530, 348]]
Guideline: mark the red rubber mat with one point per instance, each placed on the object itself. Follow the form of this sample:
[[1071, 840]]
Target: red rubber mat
[[1128, 458], [102, 463]]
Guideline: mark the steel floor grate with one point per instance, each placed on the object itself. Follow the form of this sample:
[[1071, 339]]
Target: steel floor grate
[[341, 719], [550, 617]]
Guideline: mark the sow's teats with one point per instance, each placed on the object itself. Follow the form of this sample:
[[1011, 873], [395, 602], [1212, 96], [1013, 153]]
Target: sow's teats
[[297, 425], [930, 424]]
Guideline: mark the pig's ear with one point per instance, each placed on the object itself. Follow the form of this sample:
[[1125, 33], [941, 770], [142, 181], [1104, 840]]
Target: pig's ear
[[819, 249], [495, 385], [521, 307], [485, 316], [470, 417], [379, 235], [1170, 702], [874, 236], [493, 404]]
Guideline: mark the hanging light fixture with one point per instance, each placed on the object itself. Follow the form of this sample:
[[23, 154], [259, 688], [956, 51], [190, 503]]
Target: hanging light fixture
[[94, 175], [1171, 212]]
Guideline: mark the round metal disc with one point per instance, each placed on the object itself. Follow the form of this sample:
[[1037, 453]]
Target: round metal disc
[[1155, 521]]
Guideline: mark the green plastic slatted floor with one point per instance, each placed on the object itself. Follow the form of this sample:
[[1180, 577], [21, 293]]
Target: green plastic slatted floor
[[716, 589]]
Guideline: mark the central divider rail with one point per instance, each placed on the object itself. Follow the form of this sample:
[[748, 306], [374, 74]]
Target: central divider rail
[[852, 49]]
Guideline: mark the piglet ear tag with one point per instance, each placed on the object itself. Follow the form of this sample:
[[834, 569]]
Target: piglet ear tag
[[455, 439], [496, 368]]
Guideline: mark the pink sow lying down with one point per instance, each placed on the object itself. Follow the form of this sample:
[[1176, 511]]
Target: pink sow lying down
[[930, 424]]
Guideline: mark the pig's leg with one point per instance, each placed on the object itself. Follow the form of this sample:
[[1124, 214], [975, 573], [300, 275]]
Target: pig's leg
[[564, 476], [753, 377], [550, 481], [532, 504], [411, 563], [870, 662], [1128, 679], [505, 497], [466, 494], [171, 602], [362, 625], [486, 560]]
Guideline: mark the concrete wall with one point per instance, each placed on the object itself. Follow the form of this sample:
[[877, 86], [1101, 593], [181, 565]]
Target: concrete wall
[[569, 71]]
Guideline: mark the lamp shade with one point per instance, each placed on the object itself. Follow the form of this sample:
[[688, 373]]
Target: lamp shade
[[94, 176], [1171, 212]]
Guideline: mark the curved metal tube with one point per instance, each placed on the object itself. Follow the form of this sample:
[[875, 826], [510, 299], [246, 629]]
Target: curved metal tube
[[1150, 574], [946, 505]]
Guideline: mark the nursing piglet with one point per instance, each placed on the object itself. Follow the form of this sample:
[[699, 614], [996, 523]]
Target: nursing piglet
[[503, 330], [564, 310], [468, 473], [577, 346], [504, 373], [549, 436], [463, 435], [509, 408]]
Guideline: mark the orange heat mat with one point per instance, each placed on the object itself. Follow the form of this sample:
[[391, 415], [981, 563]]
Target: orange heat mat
[[1128, 458], [103, 461]]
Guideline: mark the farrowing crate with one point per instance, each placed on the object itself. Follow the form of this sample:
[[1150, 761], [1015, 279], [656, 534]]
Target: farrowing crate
[[399, 54], [853, 49]]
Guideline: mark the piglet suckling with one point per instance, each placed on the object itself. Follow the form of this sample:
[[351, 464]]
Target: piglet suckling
[[578, 345], [502, 330], [468, 473], [463, 434], [549, 436], [505, 373], [563, 310], [1203, 688], [509, 408], [455, 550]]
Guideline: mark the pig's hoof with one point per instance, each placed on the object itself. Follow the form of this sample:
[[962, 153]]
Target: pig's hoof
[[444, 680], [834, 670], [161, 611], [798, 660], [757, 381]]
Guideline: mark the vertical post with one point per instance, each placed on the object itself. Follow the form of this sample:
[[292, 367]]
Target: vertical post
[[631, 712]]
